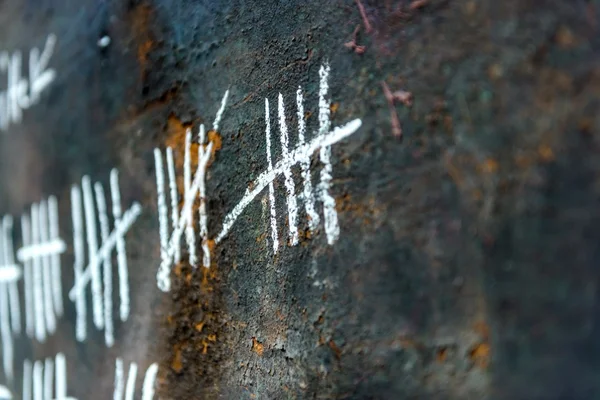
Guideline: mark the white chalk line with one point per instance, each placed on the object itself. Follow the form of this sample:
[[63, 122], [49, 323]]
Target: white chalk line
[[273, 211], [298, 154], [332, 228], [307, 194], [183, 221], [5, 393], [289, 181], [128, 390], [100, 259], [204, 152], [22, 93], [108, 246], [41, 378]]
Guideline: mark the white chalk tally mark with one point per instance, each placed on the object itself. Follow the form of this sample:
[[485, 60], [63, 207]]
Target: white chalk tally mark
[[170, 239], [40, 255], [301, 154], [10, 311], [22, 93], [99, 268], [128, 389], [5, 393], [46, 380], [324, 138]]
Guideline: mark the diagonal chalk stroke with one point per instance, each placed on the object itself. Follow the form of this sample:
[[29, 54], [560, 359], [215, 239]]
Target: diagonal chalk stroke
[[301, 152], [108, 246]]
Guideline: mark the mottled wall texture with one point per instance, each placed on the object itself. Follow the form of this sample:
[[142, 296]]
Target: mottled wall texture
[[466, 265]]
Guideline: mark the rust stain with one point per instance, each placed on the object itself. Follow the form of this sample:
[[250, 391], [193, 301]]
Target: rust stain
[[177, 364], [366, 210], [545, 152], [257, 347], [336, 350], [141, 22], [442, 355], [480, 355]]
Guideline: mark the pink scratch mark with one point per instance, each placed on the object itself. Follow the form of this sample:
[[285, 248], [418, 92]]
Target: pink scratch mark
[[363, 14]]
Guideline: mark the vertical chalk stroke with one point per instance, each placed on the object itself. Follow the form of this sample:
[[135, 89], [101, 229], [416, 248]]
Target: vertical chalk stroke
[[308, 194], [183, 221], [5, 393], [324, 138], [46, 380], [99, 269], [40, 255], [10, 311], [21, 92], [273, 211], [128, 390]]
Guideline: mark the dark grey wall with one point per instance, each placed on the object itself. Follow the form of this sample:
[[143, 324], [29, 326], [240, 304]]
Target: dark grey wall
[[465, 267]]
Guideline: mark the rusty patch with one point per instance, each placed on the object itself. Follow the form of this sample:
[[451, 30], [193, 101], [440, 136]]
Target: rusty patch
[[257, 347], [141, 22], [480, 355]]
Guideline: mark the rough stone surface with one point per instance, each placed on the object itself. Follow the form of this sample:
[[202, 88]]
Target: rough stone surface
[[466, 265]]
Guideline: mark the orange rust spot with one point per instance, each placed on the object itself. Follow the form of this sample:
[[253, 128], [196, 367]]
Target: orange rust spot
[[442, 355], [140, 25], [490, 166], [208, 275], [546, 153], [176, 131], [178, 270], [334, 107], [143, 51], [480, 355], [217, 141], [257, 347], [212, 337], [336, 350], [177, 364], [367, 212], [261, 237], [199, 326]]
